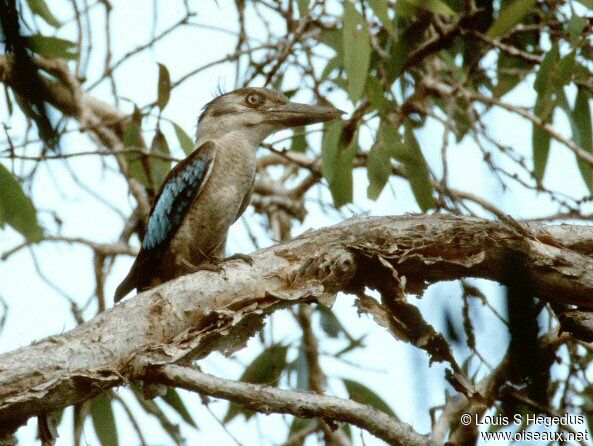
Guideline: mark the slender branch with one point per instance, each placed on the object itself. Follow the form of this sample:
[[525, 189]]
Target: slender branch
[[268, 399]]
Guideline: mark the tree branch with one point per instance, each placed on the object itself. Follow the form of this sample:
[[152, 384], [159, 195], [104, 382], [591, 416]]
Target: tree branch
[[206, 311], [268, 399]]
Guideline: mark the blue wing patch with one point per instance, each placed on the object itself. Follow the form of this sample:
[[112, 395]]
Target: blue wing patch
[[179, 189], [176, 195]]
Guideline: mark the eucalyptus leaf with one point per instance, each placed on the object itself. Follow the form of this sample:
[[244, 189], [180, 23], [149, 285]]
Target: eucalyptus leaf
[[379, 164], [164, 87], [510, 17], [410, 155], [398, 55], [357, 51], [540, 140], [362, 394], [186, 143], [329, 322], [584, 136], [302, 368], [542, 80], [299, 141], [342, 187], [303, 6], [16, 208], [575, 27], [381, 10], [159, 167], [104, 420], [52, 47], [138, 166], [330, 145], [40, 8], [173, 399], [298, 425], [266, 368]]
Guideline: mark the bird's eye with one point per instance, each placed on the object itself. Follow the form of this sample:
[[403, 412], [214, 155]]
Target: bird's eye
[[254, 99]]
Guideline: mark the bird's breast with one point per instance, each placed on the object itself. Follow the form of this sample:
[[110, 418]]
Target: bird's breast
[[213, 211]]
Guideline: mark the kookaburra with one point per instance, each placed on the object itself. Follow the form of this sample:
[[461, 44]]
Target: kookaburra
[[209, 190]]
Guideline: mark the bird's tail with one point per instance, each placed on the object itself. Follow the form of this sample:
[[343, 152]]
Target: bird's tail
[[128, 284]]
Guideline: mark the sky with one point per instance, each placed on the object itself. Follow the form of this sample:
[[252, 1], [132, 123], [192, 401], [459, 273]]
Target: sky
[[397, 372]]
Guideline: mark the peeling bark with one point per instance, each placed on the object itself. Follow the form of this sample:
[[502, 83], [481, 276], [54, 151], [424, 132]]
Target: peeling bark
[[196, 314]]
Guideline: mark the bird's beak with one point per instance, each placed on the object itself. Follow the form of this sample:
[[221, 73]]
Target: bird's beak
[[292, 114]]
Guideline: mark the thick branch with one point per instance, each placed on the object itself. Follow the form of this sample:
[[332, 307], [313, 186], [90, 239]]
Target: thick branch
[[267, 399], [205, 311]]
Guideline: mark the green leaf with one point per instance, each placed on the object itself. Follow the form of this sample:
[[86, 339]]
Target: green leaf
[[297, 425], [584, 135], [435, 6], [152, 408], [347, 430], [103, 420], [164, 86], [381, 10], [510, 17], [363, 395], [506, 69], [266, 368], [357, 51], [52, 47], [39, 7], [173, 399], [575, 27], [299, 141], [2, 210], [302, 368], [540, 140], [410, 155], [303, 6], [330, 145], [341, 186], [159, 167], [563, 71], [329, 322], [16, 208], [334, 39], [376, 95], [398, 55], [379, 165], [185, 141], [336, 163], [138, 166], [333, 64], [546, 68]]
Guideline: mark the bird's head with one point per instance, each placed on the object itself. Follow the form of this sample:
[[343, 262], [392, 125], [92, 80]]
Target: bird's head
[[254, 113]]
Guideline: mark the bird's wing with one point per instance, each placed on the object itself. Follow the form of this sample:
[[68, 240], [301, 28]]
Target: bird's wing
[[181, 186]]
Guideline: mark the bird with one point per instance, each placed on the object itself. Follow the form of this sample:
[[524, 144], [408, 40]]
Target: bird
[[203, 195]]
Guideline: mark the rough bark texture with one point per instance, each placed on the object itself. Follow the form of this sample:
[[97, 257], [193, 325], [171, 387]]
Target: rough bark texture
[[267, 399], [196, 314]]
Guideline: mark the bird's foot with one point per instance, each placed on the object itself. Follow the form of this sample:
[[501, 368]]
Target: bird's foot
[[243, 257], [216, 265], [211, 264]]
